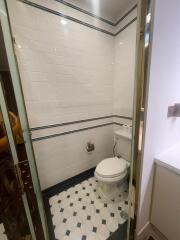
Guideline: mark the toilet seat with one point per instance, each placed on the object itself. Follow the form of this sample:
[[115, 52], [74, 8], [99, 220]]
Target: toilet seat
[[111, 169]]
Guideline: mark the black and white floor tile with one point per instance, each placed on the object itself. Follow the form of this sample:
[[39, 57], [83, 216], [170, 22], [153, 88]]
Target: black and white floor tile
[[80, 214], [2, 232]]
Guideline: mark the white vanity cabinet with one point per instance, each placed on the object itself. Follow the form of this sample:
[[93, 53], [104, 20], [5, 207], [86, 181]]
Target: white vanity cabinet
[[165, 214]]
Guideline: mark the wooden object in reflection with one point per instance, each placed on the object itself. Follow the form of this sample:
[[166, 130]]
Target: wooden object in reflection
[[28, 188], [16, 128], [12, 212]]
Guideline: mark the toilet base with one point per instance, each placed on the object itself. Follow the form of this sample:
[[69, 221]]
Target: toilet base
[[109, 191]]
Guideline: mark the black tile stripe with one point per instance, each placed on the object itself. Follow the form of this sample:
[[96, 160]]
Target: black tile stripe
[[96, 16], [123, 117], [70, 123], [75, 131], [120, 233], [70, 132], [78, 121], [38, 6], [127, 25], [125, 15], [118, 124]]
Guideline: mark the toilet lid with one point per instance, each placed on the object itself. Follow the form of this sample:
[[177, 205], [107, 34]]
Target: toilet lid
[[111, 167]]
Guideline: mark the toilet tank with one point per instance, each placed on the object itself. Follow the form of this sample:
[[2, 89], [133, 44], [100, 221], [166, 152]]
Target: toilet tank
[[123, 139]]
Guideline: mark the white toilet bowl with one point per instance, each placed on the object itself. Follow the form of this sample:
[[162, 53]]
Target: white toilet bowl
[[111, 172]]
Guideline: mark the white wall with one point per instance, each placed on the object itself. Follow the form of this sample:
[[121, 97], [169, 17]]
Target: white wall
[[63, 157], [164, 90], [124, 69], [66, 69], [67, 75]]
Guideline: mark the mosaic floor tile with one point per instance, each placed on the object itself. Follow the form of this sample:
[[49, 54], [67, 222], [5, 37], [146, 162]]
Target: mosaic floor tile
[[79, 213]]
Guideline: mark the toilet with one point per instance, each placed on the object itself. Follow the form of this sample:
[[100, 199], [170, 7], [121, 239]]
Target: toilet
[[112, 172]]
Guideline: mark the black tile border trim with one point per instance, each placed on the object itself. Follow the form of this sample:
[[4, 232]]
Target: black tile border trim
[[127, 25], [96, 16], [78, 121], [121, 116], [75, 131], [126, 14], [120, 233], [70, 132], [76, 20], [62, 186]]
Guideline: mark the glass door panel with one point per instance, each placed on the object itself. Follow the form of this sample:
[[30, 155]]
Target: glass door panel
[[18, 139], [13, 219], [16, 85], [10, 122]]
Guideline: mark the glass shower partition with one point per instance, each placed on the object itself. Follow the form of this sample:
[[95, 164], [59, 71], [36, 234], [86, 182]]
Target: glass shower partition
[[8, 41], [15, 217]]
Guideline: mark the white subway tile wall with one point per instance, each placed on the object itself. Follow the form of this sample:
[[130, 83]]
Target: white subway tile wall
[[71, 72], [62, 157], [124, 71]]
